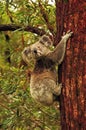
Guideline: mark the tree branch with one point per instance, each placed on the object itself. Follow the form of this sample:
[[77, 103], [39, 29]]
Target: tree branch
[[13, 27], [45, 16]]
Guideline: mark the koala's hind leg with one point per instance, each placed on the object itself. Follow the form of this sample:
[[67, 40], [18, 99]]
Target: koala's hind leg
[[47, 98]]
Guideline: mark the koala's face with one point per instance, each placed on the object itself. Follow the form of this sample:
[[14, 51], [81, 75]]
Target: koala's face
[[36, 50]]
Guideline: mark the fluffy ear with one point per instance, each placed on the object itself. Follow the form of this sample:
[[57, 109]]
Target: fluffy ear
[[46, 40]]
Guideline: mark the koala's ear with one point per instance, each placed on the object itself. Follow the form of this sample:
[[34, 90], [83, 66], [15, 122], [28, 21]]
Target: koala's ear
[[46, 40]]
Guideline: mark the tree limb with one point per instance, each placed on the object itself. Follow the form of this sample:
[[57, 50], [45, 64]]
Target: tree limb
[[13, 27], [45, 16]]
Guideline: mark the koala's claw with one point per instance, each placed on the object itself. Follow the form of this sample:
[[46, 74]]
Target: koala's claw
[[69, 32], [63, 34], [60, 85], [59, 88], [67, 35]]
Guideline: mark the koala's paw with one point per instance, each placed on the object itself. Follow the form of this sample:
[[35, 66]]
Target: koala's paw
[[67, 35], [59, 88]]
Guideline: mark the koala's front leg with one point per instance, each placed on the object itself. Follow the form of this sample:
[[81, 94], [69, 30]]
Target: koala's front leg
[[58, 54]]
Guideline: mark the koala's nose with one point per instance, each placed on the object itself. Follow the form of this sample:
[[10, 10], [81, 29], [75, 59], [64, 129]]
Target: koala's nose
[[25, 52], [35, 51]]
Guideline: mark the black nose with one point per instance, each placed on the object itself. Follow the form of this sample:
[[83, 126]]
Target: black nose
[[26, 52], [35, 51]]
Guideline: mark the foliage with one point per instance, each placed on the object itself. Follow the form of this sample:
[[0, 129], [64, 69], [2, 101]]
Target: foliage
[[18, 111]]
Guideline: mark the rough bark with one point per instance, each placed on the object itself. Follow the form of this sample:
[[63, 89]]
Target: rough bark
[[74, 68]]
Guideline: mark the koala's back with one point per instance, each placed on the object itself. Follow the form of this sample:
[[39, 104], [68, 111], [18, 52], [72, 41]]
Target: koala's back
[[43, 80], [41, 87]]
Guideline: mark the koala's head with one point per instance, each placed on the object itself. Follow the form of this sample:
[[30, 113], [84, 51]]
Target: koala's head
[[40, 48]]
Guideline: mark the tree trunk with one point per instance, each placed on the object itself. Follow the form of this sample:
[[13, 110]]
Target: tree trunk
[[74, 68]]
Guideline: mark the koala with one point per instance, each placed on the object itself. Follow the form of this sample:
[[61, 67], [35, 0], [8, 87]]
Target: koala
[[44, 84]]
